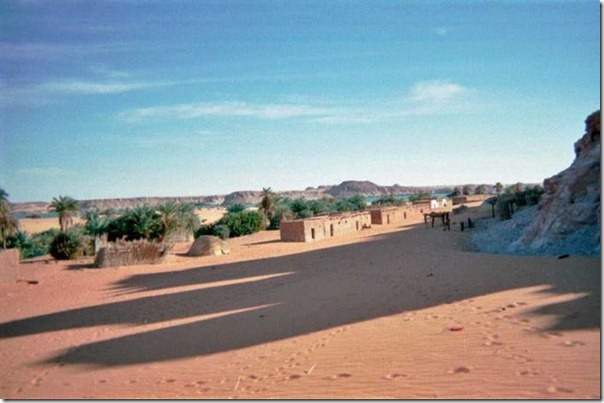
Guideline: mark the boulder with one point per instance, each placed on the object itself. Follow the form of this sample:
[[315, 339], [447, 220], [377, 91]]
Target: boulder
[[208, 245]]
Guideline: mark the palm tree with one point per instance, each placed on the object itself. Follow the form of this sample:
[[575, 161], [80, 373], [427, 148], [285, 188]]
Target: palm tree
[[267, 204], [97, 227], [144, 222], [64, 206], [174, 217], [3, 196], [188, 217], [8, 224], [169, 218]]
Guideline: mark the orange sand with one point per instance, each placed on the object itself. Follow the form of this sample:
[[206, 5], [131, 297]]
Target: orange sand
[[388, 312]]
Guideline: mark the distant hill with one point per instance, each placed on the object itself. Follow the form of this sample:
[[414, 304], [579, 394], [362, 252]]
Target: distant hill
[[343, 190], [367, 188]]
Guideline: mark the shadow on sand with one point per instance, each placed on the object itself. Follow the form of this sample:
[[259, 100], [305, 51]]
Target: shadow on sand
[[277, 298]]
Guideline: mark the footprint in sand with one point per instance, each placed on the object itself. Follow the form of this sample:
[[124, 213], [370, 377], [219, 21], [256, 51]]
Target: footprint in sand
[[461, 370], [556, 389], [550, 335], [394, 376], [527, 372], [334, 377], [572, 343]]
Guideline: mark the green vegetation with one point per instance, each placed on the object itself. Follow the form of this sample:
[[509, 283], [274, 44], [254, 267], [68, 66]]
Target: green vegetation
[[236, 208], [244, 223], [222, 231], [388, 200], [67, 245], [65, 207], [517, 195], [418, 197], [147, 222], [267, 204], [8, 224]]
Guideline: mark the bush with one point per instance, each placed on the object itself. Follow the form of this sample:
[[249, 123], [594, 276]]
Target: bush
[[67, 245], [244, 223], [236, 208], [221, 231], [280, 213]]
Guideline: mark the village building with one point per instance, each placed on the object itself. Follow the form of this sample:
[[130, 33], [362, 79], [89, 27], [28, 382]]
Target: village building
[[327, 226], [407, 214], [456, 200]]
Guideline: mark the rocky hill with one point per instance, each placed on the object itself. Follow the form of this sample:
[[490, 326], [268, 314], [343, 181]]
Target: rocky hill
[[570, 206], [567, 219], [367, 188]]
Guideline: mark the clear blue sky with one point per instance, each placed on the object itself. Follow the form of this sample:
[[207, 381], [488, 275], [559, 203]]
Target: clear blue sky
[[174, 98]]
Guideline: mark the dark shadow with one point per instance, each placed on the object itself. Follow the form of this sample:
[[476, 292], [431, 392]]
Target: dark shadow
[[80, 266], [264, 242], [287, 296]]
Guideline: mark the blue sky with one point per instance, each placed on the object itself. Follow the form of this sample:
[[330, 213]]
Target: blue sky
[[175, 98]]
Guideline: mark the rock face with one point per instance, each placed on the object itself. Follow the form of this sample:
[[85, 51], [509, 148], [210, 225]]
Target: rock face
[[207, 245], [243, 197], [569, 210]]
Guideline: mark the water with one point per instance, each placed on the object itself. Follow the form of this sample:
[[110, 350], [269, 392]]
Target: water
[[49, 214]]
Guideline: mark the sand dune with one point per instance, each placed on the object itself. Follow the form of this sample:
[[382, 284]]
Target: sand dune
[[385, 313]]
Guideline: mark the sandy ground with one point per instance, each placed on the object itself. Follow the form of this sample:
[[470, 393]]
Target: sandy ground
[[37, 225], [389, 312]]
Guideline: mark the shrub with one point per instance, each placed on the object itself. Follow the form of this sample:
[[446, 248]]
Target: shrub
[[280, 213], [244, 223], [67, 245], [236, 208], [141, 222], [221, 231], [207, 229], [419, 196]]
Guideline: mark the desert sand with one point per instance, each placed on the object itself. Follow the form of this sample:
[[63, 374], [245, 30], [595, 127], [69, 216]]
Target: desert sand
[[388, 312]]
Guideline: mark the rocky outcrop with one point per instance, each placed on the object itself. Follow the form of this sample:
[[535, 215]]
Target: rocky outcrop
[[243, 197], [207, 245], [569, 210], [367, 188]]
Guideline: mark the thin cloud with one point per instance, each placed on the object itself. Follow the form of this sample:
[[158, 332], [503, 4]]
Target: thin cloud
[[441, 31], [435, 92], [197, 110], [85, 87], [423, 98]]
